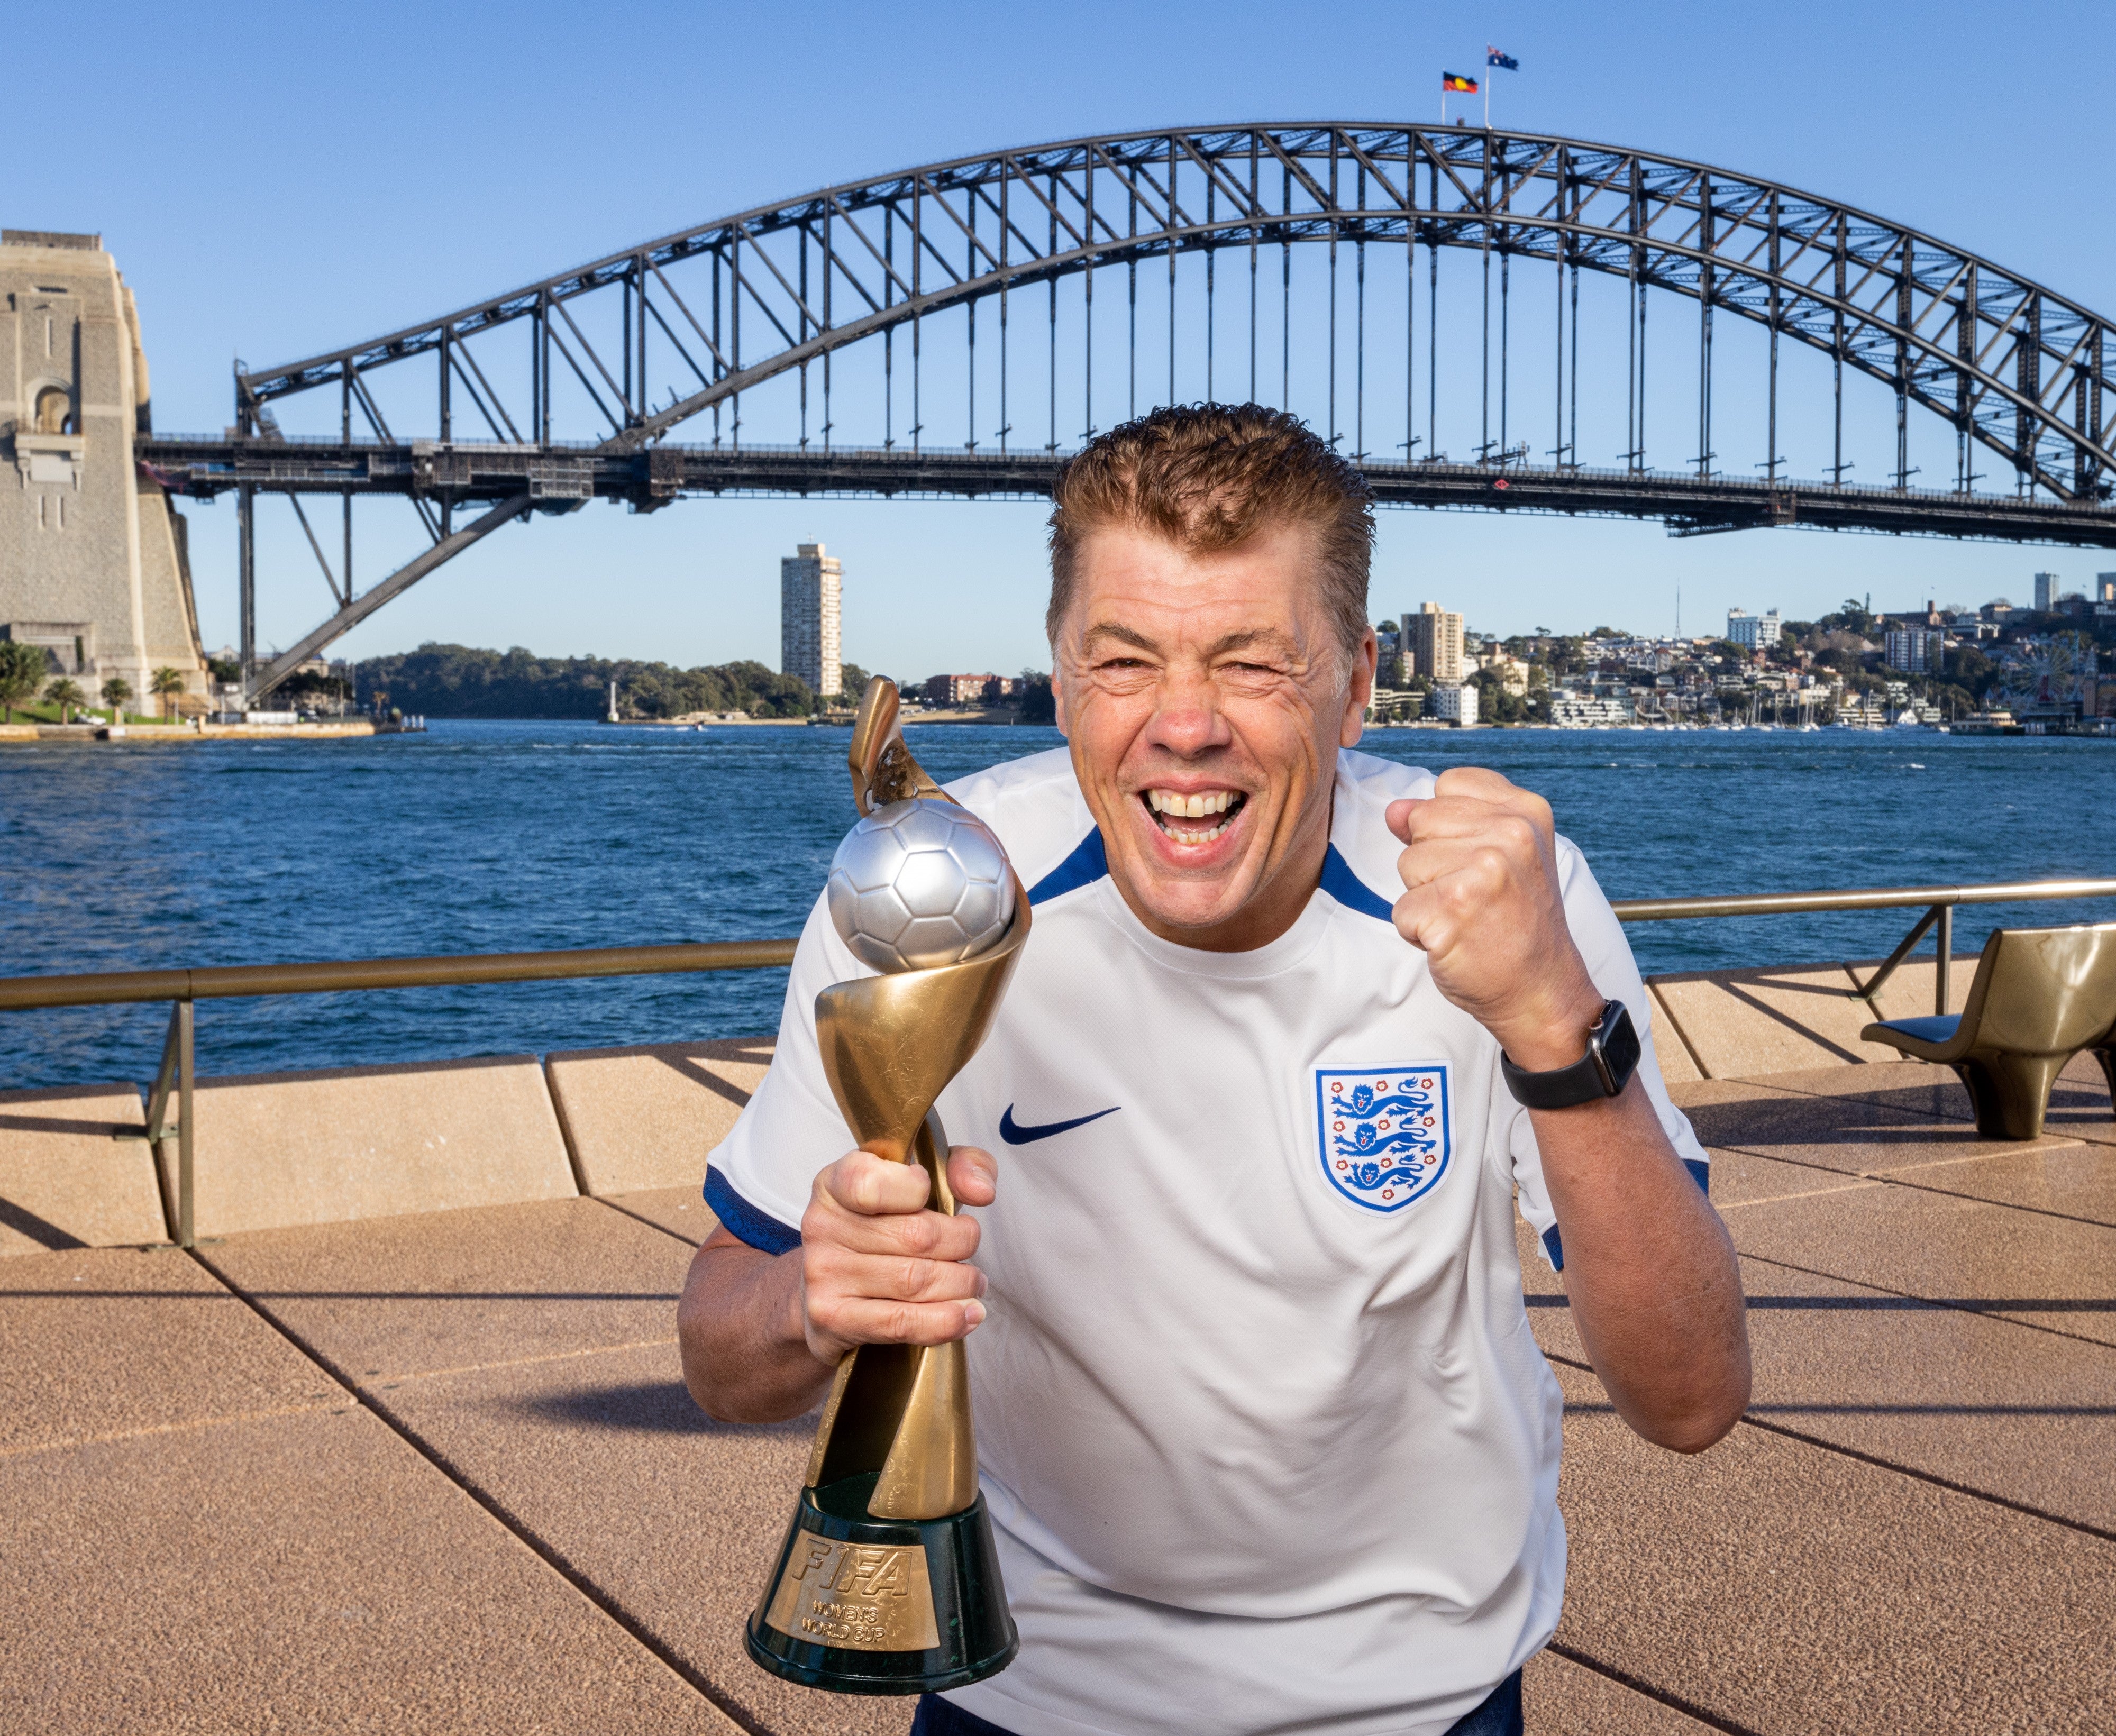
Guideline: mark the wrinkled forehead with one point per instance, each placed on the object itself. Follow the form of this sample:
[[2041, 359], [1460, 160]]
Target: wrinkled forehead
[[1132, 588]]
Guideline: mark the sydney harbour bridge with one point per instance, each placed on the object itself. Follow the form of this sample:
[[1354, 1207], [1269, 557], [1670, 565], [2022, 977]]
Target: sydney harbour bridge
[[956, 330]]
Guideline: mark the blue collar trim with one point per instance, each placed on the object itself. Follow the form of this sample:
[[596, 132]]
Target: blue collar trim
[[1088, 863], [1350, 891]]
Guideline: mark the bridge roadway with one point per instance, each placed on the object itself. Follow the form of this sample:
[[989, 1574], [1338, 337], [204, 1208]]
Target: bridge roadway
[[561, 478]]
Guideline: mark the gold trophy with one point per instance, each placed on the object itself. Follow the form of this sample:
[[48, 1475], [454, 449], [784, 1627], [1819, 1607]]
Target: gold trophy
[[888, 1582]]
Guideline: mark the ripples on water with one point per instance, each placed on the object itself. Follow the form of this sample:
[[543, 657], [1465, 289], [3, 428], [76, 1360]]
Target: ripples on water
[[493, 837]]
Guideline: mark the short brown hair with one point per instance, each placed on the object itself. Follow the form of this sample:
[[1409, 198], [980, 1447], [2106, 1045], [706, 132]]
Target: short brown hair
[[1209, 477]]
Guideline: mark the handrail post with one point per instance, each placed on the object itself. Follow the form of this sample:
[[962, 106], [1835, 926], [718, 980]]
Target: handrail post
[[184, 1011], [165, 1080], [1866, 990], [1946, 958]]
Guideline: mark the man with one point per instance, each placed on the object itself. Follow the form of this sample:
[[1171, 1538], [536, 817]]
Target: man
[[1266, 1440]]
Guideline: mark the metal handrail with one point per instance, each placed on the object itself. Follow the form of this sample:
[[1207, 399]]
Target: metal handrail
[[337, 976], [1939, 903], [1871, 897], [174, 1076]]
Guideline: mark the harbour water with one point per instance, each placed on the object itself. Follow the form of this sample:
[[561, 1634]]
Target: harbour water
[[490, 836]]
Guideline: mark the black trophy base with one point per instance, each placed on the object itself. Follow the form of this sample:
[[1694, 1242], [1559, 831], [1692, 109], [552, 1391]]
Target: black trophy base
[[861, 1605]]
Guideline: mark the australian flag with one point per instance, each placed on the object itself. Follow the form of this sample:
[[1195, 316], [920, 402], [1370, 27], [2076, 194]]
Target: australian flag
[[1493, 58]]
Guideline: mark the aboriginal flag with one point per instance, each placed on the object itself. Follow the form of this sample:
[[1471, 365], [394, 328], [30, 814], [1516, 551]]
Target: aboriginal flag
[[1455, 81], [1493, 58]]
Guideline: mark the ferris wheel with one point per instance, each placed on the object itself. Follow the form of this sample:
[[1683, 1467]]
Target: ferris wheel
[[2049, 677]]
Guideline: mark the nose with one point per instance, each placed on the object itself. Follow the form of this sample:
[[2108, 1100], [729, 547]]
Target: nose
[[1187, 721]]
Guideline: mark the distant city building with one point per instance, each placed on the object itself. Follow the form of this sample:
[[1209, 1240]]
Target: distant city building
[[1389, 671], [810, 582], [2045, 591], [1432, 641], [2105, 587], [1585, 711], [968, 690], [1916, 651], [1755, 632], [1454, 702]]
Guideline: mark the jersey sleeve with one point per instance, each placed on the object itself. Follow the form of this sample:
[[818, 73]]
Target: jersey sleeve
[[1600, 938], [758, 1178]]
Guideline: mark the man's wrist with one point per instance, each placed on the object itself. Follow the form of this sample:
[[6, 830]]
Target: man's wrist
[[1556, 1039]]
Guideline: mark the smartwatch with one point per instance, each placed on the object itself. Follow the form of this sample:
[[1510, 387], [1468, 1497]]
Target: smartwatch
[[1612, 1057]]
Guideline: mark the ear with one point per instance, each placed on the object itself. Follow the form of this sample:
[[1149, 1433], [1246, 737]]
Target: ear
[[1360, 692]]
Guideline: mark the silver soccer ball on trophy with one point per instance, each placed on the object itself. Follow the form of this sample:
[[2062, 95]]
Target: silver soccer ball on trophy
[[920, 884]]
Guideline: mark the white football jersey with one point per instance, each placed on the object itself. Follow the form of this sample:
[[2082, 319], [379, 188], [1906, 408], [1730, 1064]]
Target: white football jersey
[[1267, 1440]]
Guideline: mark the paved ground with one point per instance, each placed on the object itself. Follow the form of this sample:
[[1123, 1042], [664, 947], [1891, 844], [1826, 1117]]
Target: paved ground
[[439, 1472]]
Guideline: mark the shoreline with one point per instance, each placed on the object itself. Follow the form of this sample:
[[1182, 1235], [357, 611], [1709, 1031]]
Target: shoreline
[[331, 729]]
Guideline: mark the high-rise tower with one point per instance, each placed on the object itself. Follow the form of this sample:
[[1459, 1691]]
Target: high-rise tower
[[93, 561], [809, 584], [1432, 641]]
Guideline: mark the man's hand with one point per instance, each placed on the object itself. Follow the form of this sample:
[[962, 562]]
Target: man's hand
[[1650, 1271], [760, 1332], [877, 1267], [1482, 901]]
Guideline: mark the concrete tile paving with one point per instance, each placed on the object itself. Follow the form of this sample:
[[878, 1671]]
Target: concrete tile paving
[[305, 1572], [1783, 1588], [1847, 1133], [2071, 1181], [673, 1516], [1562, 1698], [679, 1210], [102, 1341], [1773, 1584], [1975, 1400], [2049, 1271], [387, 1297]]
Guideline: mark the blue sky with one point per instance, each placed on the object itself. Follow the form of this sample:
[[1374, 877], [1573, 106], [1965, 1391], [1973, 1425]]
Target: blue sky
[[277, 180]]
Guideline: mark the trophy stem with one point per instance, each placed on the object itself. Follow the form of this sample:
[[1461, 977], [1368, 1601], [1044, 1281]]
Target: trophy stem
[[901, 1412]]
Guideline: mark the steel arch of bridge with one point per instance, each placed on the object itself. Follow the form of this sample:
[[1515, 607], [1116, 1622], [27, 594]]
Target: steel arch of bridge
[[2010, 365]]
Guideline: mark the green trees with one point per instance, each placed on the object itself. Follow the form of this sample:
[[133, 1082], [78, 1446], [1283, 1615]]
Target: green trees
[[164, 684], [66, 694], [115, 692], [461, 681], [1038, 704], [22, 671]]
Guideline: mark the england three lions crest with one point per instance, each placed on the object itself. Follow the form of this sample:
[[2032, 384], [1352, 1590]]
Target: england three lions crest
[[1383, 1133]]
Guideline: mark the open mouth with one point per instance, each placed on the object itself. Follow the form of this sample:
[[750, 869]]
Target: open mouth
[[1194, 817]]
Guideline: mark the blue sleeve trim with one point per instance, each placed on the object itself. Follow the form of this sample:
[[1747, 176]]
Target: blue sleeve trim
[[744, 1221], [1554, 1248], [1350, 891], [1700, 1173], [1088, 863]]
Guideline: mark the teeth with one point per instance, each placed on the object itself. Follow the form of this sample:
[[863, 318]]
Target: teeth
[[1178, 806], [1173, 805]]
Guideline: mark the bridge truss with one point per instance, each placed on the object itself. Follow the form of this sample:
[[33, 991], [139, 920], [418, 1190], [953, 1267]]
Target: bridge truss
[[859, 306]]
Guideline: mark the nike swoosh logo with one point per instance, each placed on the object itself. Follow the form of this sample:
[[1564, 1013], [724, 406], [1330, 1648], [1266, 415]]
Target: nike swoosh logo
[[1014, 1134]]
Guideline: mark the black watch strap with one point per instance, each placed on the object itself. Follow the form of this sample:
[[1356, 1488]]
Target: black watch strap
[[1612, 1057]]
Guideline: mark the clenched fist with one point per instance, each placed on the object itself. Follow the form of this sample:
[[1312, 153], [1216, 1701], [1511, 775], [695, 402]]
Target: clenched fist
[[1482, 901], [877, 1267]]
